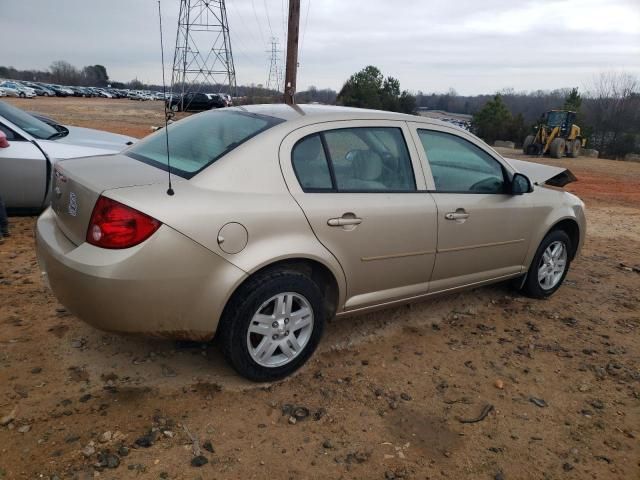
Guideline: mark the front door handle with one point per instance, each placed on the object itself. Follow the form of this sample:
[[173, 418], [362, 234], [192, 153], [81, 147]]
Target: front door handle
[[459, 214], [345, 220]]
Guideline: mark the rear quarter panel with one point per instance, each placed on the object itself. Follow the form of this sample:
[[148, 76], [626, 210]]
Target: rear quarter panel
[[245, 187]]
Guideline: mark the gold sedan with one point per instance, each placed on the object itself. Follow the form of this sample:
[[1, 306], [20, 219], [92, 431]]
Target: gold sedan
[[283, 217]]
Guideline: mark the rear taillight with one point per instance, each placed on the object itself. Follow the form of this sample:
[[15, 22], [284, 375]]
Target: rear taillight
[[114, 225]]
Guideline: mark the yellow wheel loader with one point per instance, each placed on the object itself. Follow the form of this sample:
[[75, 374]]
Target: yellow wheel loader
[[555, 135]]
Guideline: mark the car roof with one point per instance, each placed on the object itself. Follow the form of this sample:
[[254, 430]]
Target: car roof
[[314, 113]]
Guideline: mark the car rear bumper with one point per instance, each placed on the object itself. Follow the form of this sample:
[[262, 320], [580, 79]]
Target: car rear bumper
[[167, 286]]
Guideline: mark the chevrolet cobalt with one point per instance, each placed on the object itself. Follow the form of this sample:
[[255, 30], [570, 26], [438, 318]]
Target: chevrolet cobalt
[[284, 217]]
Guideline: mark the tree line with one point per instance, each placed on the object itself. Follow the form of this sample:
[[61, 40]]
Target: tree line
[[61, 72], [608, 111], [608, 114]]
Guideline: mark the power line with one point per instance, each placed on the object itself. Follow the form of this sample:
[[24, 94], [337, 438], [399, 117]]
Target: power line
[[284, 22], [266, 11], [242, 48], [255, 14], [304, 31], [244, 24]]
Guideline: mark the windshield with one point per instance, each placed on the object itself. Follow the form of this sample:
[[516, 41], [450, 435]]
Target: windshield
[[26, 122], [198, 141], [556, 119]]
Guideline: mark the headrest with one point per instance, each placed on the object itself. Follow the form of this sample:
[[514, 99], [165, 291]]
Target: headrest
[[367, 165]]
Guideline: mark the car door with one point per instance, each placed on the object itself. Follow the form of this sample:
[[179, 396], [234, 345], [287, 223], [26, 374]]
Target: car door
[[363, 192], [483, 231], [23, 172], [187, 101], [200, 102]]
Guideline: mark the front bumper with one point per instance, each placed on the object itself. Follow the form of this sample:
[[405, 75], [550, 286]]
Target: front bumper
[[167, 286]]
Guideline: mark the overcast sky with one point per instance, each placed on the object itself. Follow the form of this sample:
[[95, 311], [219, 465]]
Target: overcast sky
[[430, 45]]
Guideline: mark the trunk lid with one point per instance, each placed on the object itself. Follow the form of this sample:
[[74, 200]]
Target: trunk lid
[[88, 137], [77, 184]]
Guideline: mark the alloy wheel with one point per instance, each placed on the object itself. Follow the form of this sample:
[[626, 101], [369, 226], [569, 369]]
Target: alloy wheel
[[552, 265], [280, 329]]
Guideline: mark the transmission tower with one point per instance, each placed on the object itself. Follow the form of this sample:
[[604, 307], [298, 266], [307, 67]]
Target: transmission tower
[[274, 79], [203, 48]]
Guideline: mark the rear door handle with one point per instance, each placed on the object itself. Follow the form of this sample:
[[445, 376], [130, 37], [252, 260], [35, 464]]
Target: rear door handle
[[343, 221], [459, 214]]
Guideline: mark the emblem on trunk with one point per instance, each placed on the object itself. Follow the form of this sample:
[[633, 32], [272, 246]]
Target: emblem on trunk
[[73, 205]]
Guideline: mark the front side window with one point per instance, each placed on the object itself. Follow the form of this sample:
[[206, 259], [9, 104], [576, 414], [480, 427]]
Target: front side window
[[362, 159], [459, 166], [198, 141]]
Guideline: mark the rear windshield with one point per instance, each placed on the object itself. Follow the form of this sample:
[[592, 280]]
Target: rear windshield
[[198, 141]]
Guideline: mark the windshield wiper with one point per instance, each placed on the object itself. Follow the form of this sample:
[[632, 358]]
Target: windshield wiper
[[60, 134], [62, 131]]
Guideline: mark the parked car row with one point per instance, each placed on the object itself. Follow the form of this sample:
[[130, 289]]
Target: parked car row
[[14, 88], [192, 101]]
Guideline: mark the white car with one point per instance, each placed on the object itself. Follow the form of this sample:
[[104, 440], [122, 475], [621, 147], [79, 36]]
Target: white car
[[34, 146], [10, 92], [23, 92]]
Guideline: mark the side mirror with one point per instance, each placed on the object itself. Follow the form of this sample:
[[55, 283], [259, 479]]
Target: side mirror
[[520, 184], [4, 143]]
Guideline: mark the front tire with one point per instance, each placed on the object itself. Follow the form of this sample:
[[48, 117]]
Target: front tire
[[272, 325], [574, 149], [557, 148], [549, 266], [527, 143]]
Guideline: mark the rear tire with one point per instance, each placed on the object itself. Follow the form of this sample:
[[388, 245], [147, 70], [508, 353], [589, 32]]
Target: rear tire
[[574, 148], [250, 320], [21, 95], [544, 278], [557, 148], [527, 143]]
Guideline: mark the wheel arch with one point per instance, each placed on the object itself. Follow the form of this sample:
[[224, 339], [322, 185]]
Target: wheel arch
[[572, 229], [570, 226], [320, 273]]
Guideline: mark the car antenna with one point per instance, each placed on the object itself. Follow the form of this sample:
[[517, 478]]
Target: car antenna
[[170, 191]]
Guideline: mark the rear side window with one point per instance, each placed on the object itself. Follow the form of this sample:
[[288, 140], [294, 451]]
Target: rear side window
[[459, 166], [363, 159], [198, 141], [310, 164]]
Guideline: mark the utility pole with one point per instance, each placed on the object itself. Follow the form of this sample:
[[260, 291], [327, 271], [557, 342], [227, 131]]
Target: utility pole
[[292, 52]]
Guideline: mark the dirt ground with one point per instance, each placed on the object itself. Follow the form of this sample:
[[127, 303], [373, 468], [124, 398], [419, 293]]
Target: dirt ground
[[385, 393]]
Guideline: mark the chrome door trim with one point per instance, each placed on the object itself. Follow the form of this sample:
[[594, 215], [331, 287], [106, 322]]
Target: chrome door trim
[[480, 245], [398, 255]]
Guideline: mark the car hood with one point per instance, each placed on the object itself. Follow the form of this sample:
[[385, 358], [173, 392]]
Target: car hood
[[88, 137], [547, 174]]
